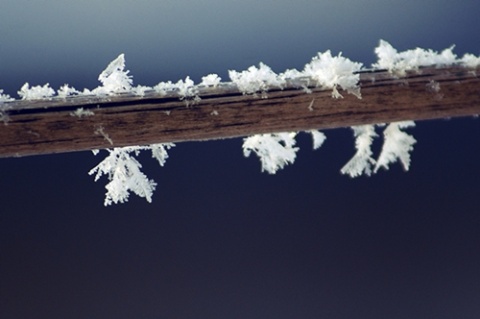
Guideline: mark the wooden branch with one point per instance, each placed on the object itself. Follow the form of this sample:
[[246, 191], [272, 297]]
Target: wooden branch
[[52, 126]]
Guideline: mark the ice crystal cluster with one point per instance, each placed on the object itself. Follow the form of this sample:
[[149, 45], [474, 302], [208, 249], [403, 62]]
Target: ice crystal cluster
[[256, 79], [123, 170], [400, 62], [4, 107], [275, 150], [397, 146], [333, 72]]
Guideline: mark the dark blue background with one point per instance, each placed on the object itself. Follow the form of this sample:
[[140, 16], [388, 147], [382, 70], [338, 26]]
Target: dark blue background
[[221, 239]]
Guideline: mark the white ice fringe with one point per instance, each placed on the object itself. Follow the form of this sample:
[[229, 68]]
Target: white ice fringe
[[274, 150], [397, 145], [362, 161], [277, 149], [124, 174]]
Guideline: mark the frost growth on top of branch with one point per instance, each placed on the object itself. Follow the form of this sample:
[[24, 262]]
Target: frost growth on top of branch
[[334, 71], [329, 72], [470, 61], [325, 70], [212, 80], [255, 79], [400, 62], [36, 92], [5, 97], [4, 107], [114, 78]]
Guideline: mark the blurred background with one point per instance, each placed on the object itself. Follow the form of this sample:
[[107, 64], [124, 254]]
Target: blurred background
[[221, 239]]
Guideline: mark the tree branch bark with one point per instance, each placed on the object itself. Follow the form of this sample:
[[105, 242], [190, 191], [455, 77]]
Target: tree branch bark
[[52, 126]]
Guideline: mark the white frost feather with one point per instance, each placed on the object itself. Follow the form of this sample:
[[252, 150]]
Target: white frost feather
[[187, 90], [114, 78], [124, 173], [400, 62], [274, 150], [318, 138], [159, 152], [65, 90], [164, 88], [4, 107], [36, 92], [140, 90], [470, 61], [330, 72], [255, 79], [362, 161], [5, 97], [397, 145], [290, 74], [212, 80]]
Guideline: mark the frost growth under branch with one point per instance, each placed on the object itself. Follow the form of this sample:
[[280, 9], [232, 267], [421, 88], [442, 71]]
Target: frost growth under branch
[[124, 174], [397, 145]]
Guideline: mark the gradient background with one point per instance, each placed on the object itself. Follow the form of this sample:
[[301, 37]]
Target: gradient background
[[221, 239]]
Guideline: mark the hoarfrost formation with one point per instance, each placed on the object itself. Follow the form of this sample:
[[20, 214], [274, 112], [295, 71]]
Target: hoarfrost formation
[[274, 150]]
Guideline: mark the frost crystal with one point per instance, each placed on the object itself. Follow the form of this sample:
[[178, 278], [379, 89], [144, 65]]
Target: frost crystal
[[124, 174], [255, 79], [362, 161], [123, 171], [5, 97], [187, 91], [470, 61], [212, 80], [397, 145], [66, 90], [318, 138], [274, 150], [4, 108], [290, 74], [163, 88], [35, 92], [159, 152], [114, 79], [81, 112], [140, 90], [400, 62], [333, 71]]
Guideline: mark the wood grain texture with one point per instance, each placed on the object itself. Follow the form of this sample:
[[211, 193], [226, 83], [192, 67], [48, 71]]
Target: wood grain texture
[[48, 126]]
